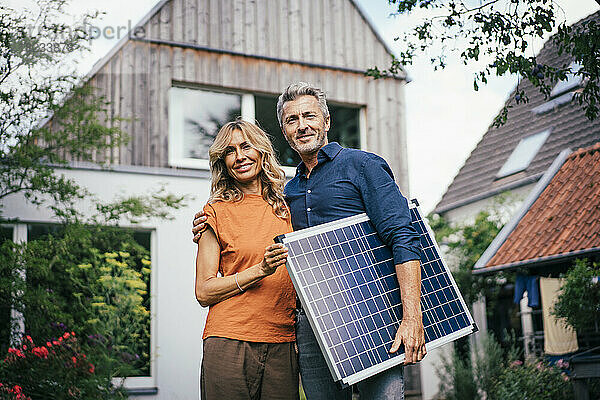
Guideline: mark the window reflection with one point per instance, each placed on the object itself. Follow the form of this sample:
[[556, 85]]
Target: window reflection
[[204, 113], [344, 127]]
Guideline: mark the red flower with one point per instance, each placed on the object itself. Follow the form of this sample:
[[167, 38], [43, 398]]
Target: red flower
[[91, 369], [66, 335], [48, 344], [72, 333], [74, 360]]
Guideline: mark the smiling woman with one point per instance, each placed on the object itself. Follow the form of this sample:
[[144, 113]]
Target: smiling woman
[[249, 334]]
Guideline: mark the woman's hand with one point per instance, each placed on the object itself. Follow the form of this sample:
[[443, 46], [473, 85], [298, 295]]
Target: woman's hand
[[275, 256]]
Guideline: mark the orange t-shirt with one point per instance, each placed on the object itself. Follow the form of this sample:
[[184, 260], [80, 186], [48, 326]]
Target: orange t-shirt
[[264, 312]]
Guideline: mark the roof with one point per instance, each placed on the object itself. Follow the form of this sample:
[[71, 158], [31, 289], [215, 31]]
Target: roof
[[563, 222], [568, 125]]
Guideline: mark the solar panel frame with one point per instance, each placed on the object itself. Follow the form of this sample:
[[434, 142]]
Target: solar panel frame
[[301, 252]]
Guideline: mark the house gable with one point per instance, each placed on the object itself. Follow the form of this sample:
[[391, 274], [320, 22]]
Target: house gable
[[326, 33], [333, 47]]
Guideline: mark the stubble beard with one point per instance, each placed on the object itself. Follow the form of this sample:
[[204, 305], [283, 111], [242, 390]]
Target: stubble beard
[[308, 148]]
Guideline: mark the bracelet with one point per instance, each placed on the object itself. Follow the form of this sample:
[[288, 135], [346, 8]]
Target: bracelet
[[236, 282]]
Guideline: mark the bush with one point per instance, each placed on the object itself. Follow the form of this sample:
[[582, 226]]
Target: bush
[[495, 375], [92, 279], [532, 381], [57, 369], [579, 300]]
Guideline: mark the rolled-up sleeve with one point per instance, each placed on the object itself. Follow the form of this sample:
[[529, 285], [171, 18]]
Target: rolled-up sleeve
[[388, 209]]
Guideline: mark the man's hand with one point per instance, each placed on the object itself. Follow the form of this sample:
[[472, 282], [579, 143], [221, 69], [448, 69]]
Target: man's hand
[[412, 335], [410, 332], [198, 225]]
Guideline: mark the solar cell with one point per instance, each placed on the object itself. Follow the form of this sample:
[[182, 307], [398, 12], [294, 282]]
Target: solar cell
[[345, 278]]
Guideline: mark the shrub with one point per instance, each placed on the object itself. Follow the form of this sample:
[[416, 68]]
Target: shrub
[[579, 300], [532, 381], [92, 279], [56, 369], [495, 375]]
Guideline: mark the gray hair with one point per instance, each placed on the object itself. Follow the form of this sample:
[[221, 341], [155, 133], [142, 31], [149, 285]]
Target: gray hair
[[295, 90]]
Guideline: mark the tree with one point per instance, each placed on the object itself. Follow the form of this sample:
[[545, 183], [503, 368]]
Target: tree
[[465, 243], [579, 300], [38, 85], [496, 37]]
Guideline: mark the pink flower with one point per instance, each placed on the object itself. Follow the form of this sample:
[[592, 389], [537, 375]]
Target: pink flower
[[540, 366], [74, 360], [516, 363]]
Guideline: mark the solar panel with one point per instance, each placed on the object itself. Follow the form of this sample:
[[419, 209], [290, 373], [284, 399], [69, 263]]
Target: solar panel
[[345, 278]]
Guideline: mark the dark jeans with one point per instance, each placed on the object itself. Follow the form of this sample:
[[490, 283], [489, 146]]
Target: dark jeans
[[318, 383]]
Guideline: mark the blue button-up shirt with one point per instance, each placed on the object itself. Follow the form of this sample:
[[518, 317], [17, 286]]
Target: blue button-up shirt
[[347, 182]]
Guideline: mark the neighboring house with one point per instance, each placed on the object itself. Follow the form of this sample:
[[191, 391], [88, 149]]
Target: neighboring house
[[513, 158], [186, 68], [559, 222]]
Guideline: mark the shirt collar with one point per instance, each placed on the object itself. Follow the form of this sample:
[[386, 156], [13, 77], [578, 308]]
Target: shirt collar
[[327, 152]]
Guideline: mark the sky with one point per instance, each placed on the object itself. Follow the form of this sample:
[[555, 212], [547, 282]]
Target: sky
[[446, 118]]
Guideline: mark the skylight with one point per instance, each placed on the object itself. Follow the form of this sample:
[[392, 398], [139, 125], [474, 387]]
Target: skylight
[[573, 80], [523, 154]]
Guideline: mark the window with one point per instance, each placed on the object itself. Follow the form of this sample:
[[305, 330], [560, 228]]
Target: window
[[6, 234], [523, 154], [563, 91], [573, 81], [195, 116], [126, 261]]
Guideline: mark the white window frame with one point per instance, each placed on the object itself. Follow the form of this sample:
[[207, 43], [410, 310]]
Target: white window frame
[[511, 166], [147, 382], [131, 382], [176, 157], [248, 108]]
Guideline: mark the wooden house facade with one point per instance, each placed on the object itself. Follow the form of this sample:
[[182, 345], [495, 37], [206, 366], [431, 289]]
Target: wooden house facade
[[251, 50]]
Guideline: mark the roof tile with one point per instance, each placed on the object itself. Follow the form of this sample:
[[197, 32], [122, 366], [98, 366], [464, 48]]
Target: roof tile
[[564, 218]]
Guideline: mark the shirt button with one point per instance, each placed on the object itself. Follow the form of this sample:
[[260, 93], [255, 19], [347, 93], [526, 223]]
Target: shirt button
[[308, 209], [308, 191]]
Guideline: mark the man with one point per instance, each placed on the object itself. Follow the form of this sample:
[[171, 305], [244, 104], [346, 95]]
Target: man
[[332, 183]]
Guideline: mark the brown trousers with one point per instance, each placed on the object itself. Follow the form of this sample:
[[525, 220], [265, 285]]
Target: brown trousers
[[238, 370]]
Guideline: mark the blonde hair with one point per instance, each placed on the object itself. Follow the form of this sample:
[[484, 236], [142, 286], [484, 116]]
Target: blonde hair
[[272, 177]]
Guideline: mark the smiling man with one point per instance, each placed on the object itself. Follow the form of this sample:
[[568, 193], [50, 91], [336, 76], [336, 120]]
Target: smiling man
[[331, 183]]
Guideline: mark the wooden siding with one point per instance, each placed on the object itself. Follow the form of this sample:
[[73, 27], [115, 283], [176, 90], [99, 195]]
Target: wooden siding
[[136, 78], [328, 32]]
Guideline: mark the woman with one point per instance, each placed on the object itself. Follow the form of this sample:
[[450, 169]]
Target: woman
[[249, 335]]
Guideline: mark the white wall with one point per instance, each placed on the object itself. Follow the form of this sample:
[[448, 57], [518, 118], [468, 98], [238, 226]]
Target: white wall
[[178, 320], [467, 213]]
